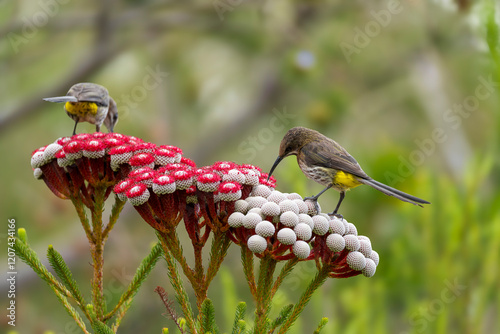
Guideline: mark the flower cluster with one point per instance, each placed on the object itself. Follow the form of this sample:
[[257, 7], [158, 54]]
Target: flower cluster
[[73, 166], [202, 197], [286, 226], [167, 188]]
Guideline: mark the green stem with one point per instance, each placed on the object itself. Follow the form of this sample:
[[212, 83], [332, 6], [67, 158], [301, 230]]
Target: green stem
[[141, 274], [97, 250], [200, 287], [320, 278], [220, 245], [247, 261], [113, 217], [29, 256], [180, 292], [266, 272], [171, 244], [80, 210]]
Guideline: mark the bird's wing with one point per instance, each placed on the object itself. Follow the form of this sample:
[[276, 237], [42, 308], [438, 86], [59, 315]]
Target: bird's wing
[[331, 155], [89, 92]]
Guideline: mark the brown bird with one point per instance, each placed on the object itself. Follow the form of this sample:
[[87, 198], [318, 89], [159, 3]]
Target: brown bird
[[89, 102], [323, 160]]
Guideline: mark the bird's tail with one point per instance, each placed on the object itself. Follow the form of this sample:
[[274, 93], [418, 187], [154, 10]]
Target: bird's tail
[[394, 192]]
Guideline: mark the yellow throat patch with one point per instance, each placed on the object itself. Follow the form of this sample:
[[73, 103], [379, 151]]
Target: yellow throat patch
[[81, 108]]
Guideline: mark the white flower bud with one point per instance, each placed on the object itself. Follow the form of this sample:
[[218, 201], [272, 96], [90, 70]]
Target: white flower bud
[[370, 268], [287, 236], [265, 229], [301, 249], [257, 244], [356, 260], [335, 242], [236, 219], [351, 242]]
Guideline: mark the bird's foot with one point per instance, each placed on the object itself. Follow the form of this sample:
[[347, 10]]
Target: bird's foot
[[334, 214], [315, 200]]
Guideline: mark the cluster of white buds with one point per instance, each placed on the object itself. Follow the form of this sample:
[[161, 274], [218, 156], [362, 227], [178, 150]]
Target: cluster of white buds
[[285, 225]]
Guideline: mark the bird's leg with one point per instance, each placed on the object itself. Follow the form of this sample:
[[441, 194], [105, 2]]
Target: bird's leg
[[334, 213], [74, 129], [315, 198], [97, 128]]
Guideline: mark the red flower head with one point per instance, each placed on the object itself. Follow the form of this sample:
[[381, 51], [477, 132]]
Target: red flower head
[[73, 149], [94, 149], [164, 184], [137, 194], [120, 155], [208, 181], [188, 162], [142, 159], [164, 156], [229, 191], [183, 178], [122, 187]]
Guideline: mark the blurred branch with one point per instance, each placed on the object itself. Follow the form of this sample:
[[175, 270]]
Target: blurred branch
[[160, 13], [104, 50], [270, 92]]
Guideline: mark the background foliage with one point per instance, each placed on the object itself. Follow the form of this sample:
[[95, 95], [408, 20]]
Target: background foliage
[[240, 73]]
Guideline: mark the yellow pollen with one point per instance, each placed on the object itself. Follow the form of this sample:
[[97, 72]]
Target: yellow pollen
[[81, 108]]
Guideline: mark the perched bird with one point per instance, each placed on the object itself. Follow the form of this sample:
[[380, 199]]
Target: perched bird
[[89, 102], [326, 162]]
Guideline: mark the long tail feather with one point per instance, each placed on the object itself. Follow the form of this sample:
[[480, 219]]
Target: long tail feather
[[394, 192]]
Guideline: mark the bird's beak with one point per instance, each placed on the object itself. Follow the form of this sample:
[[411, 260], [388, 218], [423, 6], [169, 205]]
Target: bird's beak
[[61, 99], [276, 163]]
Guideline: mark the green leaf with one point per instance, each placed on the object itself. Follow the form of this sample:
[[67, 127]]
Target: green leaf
[[239, 325], [22, 235], [180, 292], [140, 276], [321, 324], [282, 317], [208, 317], [98, 326], [62, 271], [318, 280], [29, 256]]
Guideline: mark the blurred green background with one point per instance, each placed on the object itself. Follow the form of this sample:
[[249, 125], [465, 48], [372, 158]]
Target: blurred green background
[[402, 86]]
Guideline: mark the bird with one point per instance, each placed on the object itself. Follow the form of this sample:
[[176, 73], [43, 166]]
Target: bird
[[89, 102], [323, 160]]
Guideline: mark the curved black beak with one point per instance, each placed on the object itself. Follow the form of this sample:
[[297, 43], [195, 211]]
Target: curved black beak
[[61, 99], [276, 163]]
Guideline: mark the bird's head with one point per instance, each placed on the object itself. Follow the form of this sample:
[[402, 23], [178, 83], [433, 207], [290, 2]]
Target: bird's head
[[292, 142], [112, 116]]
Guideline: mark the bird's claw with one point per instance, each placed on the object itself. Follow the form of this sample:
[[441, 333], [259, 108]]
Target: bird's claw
[[334, 214], [315, 200]]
